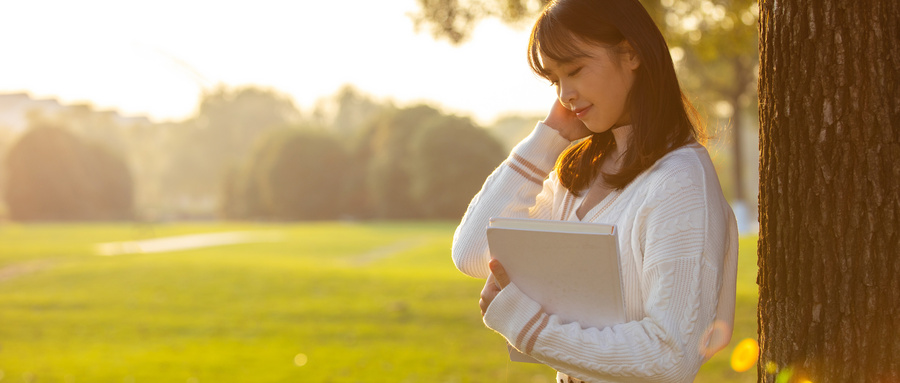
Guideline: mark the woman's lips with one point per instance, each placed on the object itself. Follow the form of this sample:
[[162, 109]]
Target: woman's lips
[[583, 111]]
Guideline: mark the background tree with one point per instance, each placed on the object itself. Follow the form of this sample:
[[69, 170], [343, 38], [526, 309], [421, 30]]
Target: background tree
[[295, 174], [388, 179], [450, 158], [218, 138], [303, 178], [829, 274], [241, 198], [55, 176], [347, 111]]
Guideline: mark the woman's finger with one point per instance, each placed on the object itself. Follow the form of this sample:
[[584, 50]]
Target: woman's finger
[[499, 273], [488, 294]]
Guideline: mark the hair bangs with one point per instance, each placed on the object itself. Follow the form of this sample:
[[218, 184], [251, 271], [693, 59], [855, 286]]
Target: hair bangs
[[551, 39]]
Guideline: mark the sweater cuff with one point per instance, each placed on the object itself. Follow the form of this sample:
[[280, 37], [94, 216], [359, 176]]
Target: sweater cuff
[[542, 147], [510, 312]]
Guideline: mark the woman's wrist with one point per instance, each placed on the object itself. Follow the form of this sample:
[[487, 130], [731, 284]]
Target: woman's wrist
[[542, 147]]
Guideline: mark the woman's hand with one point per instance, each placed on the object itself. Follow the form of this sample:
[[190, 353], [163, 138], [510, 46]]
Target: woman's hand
[[495, 283], [566, 122]]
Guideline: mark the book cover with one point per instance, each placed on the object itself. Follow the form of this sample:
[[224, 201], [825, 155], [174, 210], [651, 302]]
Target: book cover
[[571, 268]]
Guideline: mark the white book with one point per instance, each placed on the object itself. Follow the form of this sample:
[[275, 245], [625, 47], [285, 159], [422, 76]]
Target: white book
[[571, 268]]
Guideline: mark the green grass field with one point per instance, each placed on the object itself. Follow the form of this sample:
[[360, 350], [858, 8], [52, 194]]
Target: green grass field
[[333, 302]]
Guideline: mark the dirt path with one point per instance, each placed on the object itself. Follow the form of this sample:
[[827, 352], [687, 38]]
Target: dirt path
[[383, 252], [24, 268], [186, 242]]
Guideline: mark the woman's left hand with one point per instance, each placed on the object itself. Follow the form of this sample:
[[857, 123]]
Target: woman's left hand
[[495, 283]]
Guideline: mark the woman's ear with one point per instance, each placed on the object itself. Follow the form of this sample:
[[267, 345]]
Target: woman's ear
[[630, 58]]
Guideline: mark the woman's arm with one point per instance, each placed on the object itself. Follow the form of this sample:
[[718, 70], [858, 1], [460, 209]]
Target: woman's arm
[[680, 282], [517, 188]]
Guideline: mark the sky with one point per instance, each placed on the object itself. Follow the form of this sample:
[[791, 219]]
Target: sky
[[154, 58]]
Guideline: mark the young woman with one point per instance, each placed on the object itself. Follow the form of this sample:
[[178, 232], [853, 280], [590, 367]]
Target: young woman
[[640, 165]]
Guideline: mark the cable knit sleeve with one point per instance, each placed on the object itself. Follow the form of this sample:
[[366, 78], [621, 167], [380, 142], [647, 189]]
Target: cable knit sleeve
[[674, 234], [519, 187]]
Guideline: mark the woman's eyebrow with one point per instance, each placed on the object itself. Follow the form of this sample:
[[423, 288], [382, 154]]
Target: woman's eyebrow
[[571, 58]]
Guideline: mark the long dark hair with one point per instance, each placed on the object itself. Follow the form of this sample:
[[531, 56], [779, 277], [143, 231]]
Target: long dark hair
[[662, 118]]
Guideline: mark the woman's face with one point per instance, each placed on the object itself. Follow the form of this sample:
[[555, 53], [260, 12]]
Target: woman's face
[[595, 84]]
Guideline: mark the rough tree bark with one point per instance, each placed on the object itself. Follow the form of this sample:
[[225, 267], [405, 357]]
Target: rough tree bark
[[829, 254]]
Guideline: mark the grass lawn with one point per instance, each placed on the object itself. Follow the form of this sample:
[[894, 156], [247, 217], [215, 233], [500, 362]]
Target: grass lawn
[[332, 302]]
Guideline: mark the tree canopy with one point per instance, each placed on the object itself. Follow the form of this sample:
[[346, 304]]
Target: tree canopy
[[53, 175]]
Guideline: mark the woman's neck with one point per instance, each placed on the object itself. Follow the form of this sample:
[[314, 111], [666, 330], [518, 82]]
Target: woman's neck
[[620, 135]]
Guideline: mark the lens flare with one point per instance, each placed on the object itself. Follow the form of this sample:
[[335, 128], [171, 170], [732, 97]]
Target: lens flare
[[784, 376], [300, 360], [745, 355], [715, 339]]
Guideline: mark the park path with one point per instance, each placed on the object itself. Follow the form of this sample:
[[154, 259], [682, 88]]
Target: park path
[[390, 250], [186, 242], [156, 245], [196, 241], [19, 269]]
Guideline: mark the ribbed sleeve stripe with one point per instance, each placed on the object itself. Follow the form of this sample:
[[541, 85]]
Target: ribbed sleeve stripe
[[537, 171], [521, 338], [525, 174], [534, 335]]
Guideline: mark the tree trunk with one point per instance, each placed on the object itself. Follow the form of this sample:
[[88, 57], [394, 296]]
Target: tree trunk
[[829, 254]]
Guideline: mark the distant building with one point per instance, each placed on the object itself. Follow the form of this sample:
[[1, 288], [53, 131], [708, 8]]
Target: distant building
[[15, 108]]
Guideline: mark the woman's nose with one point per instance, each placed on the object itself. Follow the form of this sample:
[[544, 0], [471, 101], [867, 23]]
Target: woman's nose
[[567, 96]]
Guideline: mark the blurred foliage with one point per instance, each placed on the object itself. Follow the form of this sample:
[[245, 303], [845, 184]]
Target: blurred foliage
[[219, 137], [455, 19], [347, 111], [422, 163], [449, 161], [388, 178], [402, 163], [511, 129], [249, 154], [53, 175], [294, 174]]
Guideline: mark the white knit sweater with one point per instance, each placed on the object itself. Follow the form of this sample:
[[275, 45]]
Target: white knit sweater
[[678, 245]]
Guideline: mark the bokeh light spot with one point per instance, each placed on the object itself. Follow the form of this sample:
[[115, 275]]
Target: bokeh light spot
[[784, 376], [715, 339], [745, 355], [300, 360]]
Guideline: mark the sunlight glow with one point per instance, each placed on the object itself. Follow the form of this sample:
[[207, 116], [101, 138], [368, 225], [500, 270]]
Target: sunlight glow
[[715, 339], [677, 54], [300, 360], [784, 376], [745, 355], [724, 109], [307, 50]]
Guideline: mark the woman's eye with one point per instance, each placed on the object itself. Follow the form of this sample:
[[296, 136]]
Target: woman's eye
[[574, 72]]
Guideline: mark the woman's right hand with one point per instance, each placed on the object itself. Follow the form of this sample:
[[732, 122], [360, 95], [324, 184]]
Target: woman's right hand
[[566, 122]]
